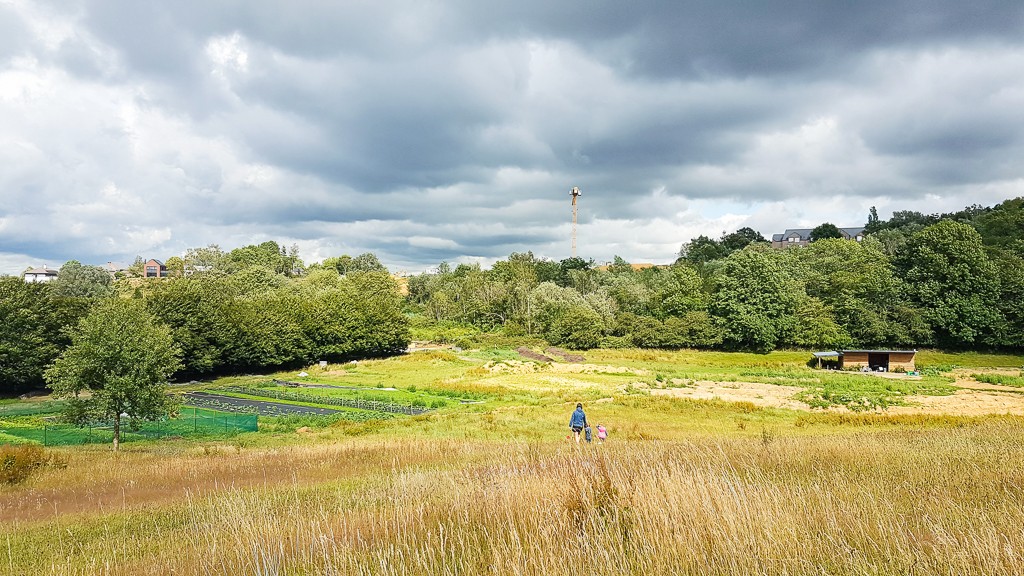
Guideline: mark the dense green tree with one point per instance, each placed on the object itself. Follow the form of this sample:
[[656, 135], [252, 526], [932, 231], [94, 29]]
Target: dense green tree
[[953, 282], [825, 231], [196, 310], [814, 327], [568, 265], [694, 329], [755, 299], [620, 266], [578, 328], [518, 274], [32, 332], [701, 250], [741, 238], [858, 285], [548, 301], [264, 332], [175, 267], [117, 365], [1003, 226], [345, 264], [78, 281], [207, 259]]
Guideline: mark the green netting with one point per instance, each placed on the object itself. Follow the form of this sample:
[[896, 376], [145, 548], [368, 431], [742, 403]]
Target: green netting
[[190, 422]]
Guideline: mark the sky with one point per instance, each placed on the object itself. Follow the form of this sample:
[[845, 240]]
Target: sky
[[428, 131]]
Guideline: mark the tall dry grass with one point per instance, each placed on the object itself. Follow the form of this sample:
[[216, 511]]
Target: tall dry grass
[[926, 501]]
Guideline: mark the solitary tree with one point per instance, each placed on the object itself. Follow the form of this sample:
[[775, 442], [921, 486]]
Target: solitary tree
[[117, 365]]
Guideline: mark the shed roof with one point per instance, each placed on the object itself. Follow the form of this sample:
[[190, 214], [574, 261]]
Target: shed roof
[[878, 351]]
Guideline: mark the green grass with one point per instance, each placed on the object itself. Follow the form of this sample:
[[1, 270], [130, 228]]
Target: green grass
[[1001, 379], [927, 358]]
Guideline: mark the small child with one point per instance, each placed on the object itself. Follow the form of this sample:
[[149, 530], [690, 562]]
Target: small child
[[602, 433]]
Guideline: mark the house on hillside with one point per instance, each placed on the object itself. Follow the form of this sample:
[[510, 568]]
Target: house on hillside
[[154, 268], [42, 274], [115, 269], [802, 236], [873, 360]]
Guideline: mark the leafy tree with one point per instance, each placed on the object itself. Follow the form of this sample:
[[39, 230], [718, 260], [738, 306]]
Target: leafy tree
[[264, 332], [741, 238], [620, 266], [701, 250], [345, 264], [642, 331], [873, 224], [578, 328], [196, 310], [117, 365], [1003, 226], [75, 280], [519, 276], [1010, 268], [549, 301], [826, 230], [205, 259], [755, 299], [694, 329], [953, 282], [32, 331], [814, 327], [568, 265], [175, 267], [630, 293], [858, 285]]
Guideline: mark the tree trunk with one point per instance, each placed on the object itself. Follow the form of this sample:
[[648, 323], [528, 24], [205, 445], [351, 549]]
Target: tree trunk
[[117, 430]]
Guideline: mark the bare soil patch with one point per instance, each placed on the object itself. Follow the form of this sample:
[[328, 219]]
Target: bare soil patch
[[594, 368], [972, 399], [765, 395]]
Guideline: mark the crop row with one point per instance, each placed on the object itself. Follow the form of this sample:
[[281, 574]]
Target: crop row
[[374, 405]]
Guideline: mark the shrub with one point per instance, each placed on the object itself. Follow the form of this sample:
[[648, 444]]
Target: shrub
[[616, 342], [17, 463]]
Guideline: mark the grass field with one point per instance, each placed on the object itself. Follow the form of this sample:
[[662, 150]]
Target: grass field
[[493, 487]]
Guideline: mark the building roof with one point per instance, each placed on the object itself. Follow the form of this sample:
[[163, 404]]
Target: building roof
[[878, 351], [46, 271], [805, 233]]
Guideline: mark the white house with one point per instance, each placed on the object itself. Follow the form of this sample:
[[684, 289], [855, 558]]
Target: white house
[[43, 274]]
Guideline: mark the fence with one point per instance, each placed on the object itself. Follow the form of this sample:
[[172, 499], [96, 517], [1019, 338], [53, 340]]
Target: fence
[[190, 422]]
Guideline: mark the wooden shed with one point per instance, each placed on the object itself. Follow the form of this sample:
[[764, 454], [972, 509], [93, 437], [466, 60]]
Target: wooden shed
[[875, 360]]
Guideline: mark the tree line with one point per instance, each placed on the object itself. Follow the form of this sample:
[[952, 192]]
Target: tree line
[[254, 308], [954, 281]]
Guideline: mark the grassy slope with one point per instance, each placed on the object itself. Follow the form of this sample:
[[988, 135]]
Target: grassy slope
[[683, 486]]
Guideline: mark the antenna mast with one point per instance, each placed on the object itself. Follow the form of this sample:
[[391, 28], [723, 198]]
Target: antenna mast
[[575, 193]]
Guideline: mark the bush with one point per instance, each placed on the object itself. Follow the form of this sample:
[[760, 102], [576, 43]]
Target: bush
[[17, 463], [616, 342], [577, 328]]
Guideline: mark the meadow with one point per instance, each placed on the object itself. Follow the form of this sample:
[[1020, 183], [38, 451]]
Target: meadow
[[487, 482]]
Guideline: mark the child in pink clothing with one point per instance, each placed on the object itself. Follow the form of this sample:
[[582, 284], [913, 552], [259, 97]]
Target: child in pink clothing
[[602, 433]]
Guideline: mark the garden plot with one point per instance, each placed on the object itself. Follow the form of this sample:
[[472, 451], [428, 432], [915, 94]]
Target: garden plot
[[261, 407]]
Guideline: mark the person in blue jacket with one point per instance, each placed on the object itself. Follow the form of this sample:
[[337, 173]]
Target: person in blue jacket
[[578, 421]]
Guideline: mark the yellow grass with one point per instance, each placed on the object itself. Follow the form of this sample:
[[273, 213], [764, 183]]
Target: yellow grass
[[904, 501], [682, 487]]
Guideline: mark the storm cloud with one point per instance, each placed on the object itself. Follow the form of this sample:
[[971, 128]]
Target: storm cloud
[[453, 130]]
